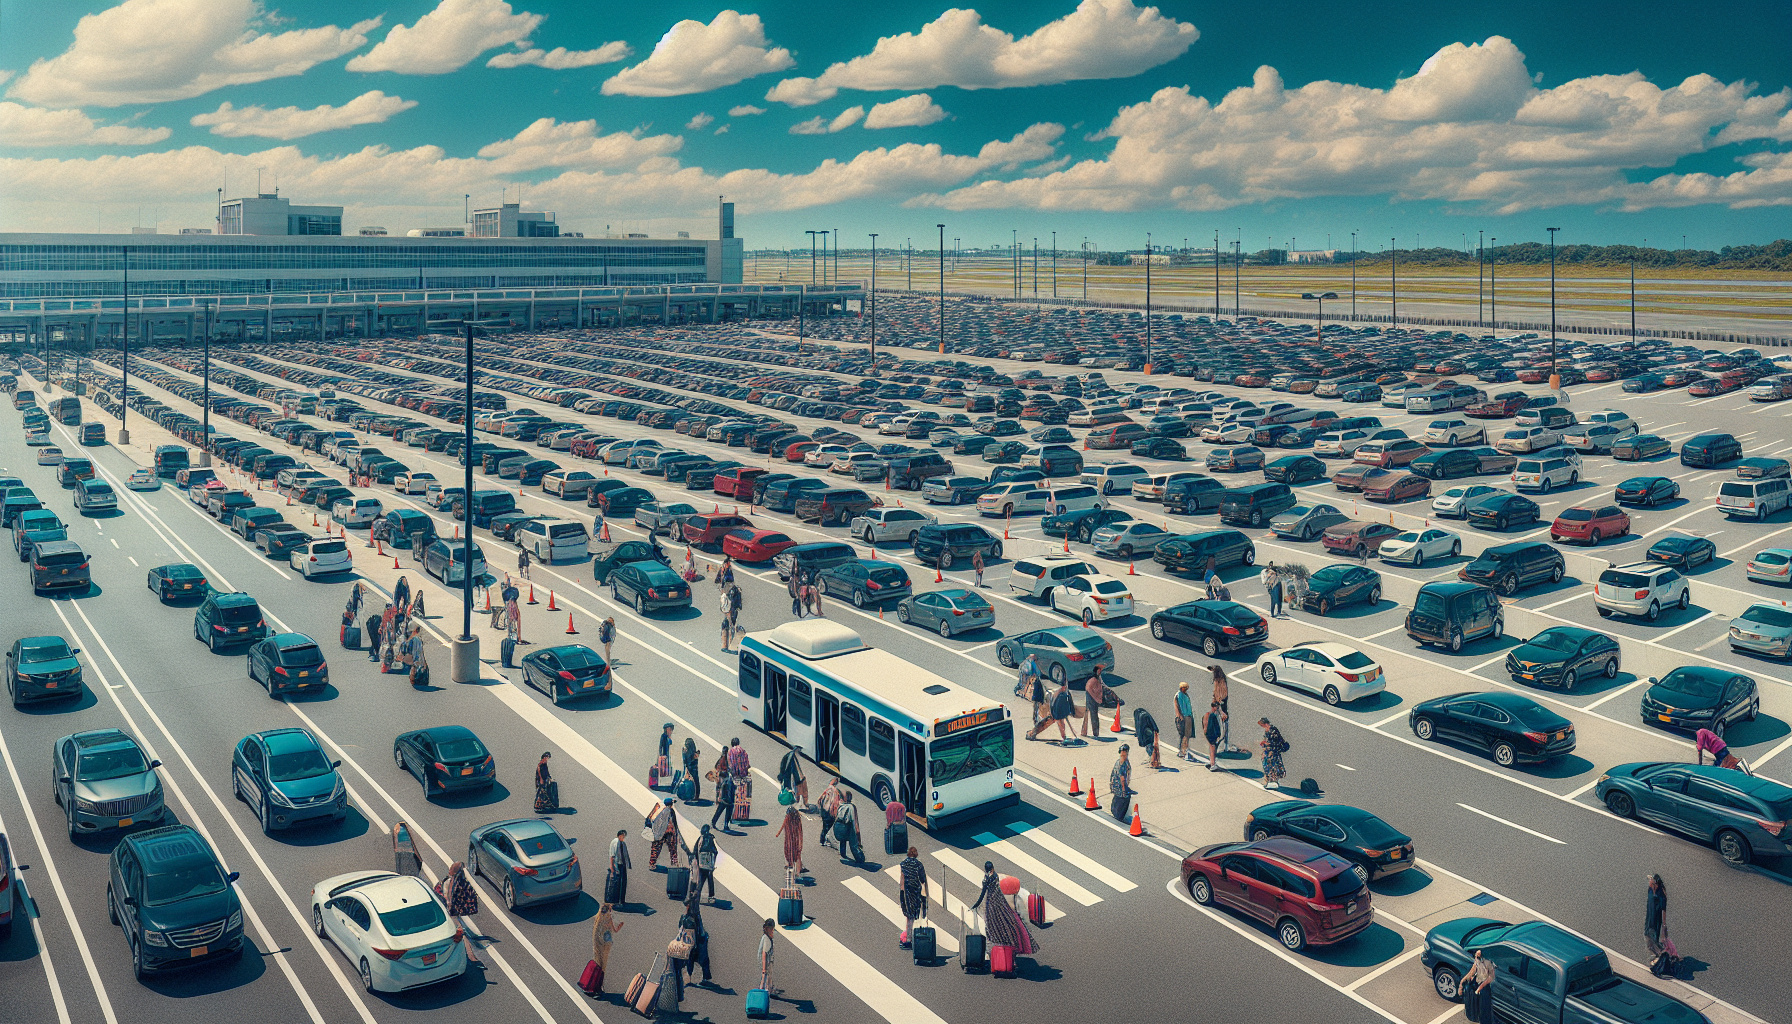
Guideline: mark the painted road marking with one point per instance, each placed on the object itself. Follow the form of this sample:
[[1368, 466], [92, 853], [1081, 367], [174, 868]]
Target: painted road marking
[[885, 906], [1512, 824], [1089, 865], [1035, 867]]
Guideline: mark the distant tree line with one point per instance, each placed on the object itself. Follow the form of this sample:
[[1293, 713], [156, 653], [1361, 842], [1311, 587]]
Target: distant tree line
[[1776, 255]]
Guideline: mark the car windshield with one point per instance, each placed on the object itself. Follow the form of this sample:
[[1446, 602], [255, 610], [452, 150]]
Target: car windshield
[[1331, 574], [1768, 616], [1341, 886], [309, 654], [460, 749], [1551, 640], [187, 880], [55, 650], [1356, 659], [1577, 515], [291, 765], [1772, 558], [1110, 587], [1626, 580], [970, 601], [420, 917], [239, 613], [112, 763], [1693, 685]]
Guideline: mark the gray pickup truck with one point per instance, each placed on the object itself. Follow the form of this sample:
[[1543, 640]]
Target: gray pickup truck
[[1545, 975]]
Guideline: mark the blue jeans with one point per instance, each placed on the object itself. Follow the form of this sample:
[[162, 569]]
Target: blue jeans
[[1275, 601], [852, 841]]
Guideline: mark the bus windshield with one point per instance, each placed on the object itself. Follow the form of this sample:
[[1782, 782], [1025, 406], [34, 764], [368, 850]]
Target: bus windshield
[[972, 753]]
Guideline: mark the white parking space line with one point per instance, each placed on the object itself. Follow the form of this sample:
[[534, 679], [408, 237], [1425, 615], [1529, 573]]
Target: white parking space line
[[1755, 543], [1511, 824], [1670, 634], [1385, 968], [1713, 642], [1390, 629], [1578, 793], [1615, 693], [1563, 601], [1495, 660], [1771, 754], [1675, 522], [1037, 869], [1395, 717]]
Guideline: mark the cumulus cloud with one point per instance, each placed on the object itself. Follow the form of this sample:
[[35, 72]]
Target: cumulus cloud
[[447, 38], [34, 126], [745, 110], [150, 51], [294, 122], [700, 121], [694, 57], [907, 112], [723, 130], [549, 143], [562, 59], [1469, 127], [1100, 39], [822, 126]]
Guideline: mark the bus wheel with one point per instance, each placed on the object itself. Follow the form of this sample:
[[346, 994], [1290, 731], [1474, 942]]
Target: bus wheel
[[882, 792]]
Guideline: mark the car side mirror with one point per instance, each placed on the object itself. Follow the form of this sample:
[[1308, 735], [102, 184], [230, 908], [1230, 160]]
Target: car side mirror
[[569, 842], [155, 764], [75, 651], [1651, 681], [233, 876], [335, 764], [65, 780], [130, 901]]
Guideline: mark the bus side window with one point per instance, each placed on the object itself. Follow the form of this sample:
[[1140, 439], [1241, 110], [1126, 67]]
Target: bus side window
[[749, 674], [797, 701], [852, 728], [883, 744]]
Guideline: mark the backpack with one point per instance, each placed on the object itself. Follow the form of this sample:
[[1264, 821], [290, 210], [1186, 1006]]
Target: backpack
[[1062, 706]]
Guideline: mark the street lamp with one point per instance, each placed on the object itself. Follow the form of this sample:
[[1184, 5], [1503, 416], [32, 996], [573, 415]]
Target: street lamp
[[1319, 333], [1353, 277], [873, 313], [205, 410], [124, 400], [811, 235], [1493, 288], [1633, 292], [1084, 248], [1480, 276], [463, 662], [1147, 303], [1555, 377], [1394, 286], [942, 228], [1216, 274], [1054, 264]]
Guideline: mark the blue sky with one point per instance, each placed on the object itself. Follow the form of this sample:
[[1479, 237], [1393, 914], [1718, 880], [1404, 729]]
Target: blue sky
[[1106, 120]]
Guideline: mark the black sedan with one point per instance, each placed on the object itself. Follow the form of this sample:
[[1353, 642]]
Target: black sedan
[[1375, 847], [445, 759], [1167, 426], [1511, 727], [1647, 491], [1449, 464], [1082, 523], [1159, 448], [1006, 452], [1214, 626], [623, 501], [1694, 698], [1502, 511], [1682, 551], [1337, 585], [179, 579], [865, 582], [1561, 656], [627, 551], [1296, 469], [567, 672]]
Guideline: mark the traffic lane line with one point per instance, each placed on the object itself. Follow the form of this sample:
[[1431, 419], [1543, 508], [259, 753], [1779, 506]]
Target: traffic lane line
[[1511, 824]]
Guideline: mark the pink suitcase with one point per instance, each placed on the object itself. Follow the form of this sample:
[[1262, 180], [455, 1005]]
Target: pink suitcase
[[1001, 959]]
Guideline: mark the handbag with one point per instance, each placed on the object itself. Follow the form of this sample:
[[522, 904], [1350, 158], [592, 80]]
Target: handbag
[[706, 859], [647, 834], [680, 947], [786, 797]]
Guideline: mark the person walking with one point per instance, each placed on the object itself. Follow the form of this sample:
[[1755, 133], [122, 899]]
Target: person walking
[[829, 806], [1185, 720], [514, 613], [1145, 727], [977, 567], [401, 593], [462, 899], [1212, 575], [1477, 991], [692, 767], [725, 575], [1274, 746], [815, 592], [705, 855], [1210, 730], [417, 659], [546, 800], [1708, 742], [790, 776], [389, 638], [1058, 708], [522, 563], [606, 635], [374, 624], [911, 894], [1094, 695], [620, 863], [1655, 916], [692, 922], [603, 935], [1003, 925], [766, 946], [1120, 784], [663, 820], [1272, 586], [846, 829], [794, 584], [735, 600], [739, 764], [792, 830], [724, 811], [664, 764], [1026, 675], [727, 626], [1222, 691]]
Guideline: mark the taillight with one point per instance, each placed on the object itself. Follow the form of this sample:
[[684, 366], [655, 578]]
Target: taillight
[[1230, 631], [440, 767], [1536, 737], [653, 593], [1641, 594], [314, 558], [958, 611], [391, 954], [529, 872], [279, 671], [1074, 656], [873, 585], [221, 629], [1349, 677], [568, 676]]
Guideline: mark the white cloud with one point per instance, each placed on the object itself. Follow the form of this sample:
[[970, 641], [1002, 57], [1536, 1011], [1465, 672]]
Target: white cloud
[[694, 57], [816, 125], [550, 143], [700, 122], [745, 110], [35, 126], [562, 59], [1100, 39], [819, 125], [294, 122], [150, 51], [1470, 127], [447, 38], [907, 112], [723, 130]]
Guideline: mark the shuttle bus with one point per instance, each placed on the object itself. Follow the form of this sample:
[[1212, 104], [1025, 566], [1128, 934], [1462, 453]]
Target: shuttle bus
[[892, 729]]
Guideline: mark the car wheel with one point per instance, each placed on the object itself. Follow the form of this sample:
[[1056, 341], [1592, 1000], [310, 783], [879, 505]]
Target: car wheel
[[138, 969], [1447, 984], [1200, 890], [870, 538], [858, 598], [1544, 487], [1268, 672], [1210, 647], [902, 614], [640, 605], [1256, 517], [1504, 755], [1501, 523], [1654, 610], [1157, 630], [1291, 935], [1418, 559], [1508, 584], [945, 629], [1569, 678], [947, 560], [1332, 696], [1424, 728], [1250, 556], [366, 975], [1005, 656], [1455, 644], [1058, 674], [1088, 618], [509, 894], [1734, 849]]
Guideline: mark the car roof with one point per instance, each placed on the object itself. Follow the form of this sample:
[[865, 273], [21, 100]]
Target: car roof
[[96, 738], [280, 741]]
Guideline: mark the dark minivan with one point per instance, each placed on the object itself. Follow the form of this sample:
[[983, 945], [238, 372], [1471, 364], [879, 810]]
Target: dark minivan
[[1256, 504], [59, 565], [1196, 494], [781, 495], [1190, 552], [168, 883], [1452, 614], [805, 558], [835, 506], [943, 544], [1509, 567]]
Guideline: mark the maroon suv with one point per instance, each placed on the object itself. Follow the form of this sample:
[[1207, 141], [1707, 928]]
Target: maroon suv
[[1304, 894]]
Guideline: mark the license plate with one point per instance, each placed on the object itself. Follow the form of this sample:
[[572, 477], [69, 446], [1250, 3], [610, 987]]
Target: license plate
[[126, 822], [186, 586], [1562, 735], [1397, 854], [242, 629], [1526, 675], [65, 572], [50, 686], [304, 672], [1665, 718], [429, 958], [199, 951], [1350, 908], [588, 684], [466, 771]]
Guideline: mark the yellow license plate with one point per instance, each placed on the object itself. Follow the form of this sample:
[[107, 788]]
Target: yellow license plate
[[186, 586], [429, 958], [242, 629], [50, 686], [589, 683], [1397, 854], [1562, 735], [466, 771], [1665, 718], [304, 672], [1526, 675], [126, 822], [199, 951]]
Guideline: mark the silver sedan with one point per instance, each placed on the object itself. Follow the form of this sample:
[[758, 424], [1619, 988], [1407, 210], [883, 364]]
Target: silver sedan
[[1415, 546], [1124, 540], [526, 859]]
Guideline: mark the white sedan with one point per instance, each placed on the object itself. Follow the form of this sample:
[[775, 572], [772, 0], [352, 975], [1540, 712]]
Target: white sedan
[[413, 483], [1336, 672], [1093, 598], [143, 480], [393, 929], [824, 455], [1225, 433], [51, 456], [356, 511], [1414, 546], [1456, 500]]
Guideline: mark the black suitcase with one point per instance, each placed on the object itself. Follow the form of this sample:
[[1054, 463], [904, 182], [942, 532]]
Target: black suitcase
[[976, 954], [351, 637], [507, 652], [678, 882], [896, 839], [921, 941], [612, 887]]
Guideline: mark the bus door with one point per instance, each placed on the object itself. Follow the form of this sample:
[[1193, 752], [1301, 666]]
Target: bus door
[[775, 687], [914, 775], [827, 730]]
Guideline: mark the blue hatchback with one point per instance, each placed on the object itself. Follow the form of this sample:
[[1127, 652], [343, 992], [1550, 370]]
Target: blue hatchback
[[287, 779]]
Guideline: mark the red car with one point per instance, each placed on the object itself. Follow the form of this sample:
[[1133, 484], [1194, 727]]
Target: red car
[[1397, 451], [1533, 375], [1350, 478], [1591, 524], [1307, 896], [1358, 540], [1719, 386], [1396, 487], [797, 451], [1499, 407], [705, 529], [745, 544], [737, 483]]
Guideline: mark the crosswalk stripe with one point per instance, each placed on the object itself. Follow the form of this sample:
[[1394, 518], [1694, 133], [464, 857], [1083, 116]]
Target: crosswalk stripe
[[893, 913], [948, 903], [1090, 865], [1037, 868], [975, 875]]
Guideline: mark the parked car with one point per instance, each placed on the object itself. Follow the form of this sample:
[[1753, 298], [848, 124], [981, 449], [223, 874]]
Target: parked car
[[1739, 814], [1414, 547], [1647, 491], [1307, 896], [1358, 539], [1561, 656], [1706, 450], [1216, 627], [1375, 847], [1641, 446], [1127, 539], [1501, 510], [1453, 614], [1511, 727], [1064, 653], [943, 545], [1701, 697], [1304, 522], [648, 586], [1337, 585], [1543, 973], [1337, 673], [1589, 524], [1682, 551], [948, 612]]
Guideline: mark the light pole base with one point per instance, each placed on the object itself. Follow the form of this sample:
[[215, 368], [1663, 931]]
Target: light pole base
[[124, 436], [205, 460], [463, 659], [1147, 369], [1555, 382]]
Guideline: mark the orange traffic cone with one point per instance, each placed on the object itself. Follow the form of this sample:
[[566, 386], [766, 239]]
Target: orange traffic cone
[[457, 532], [1138, 823], [874, 553], [938, 576], [1117, 726], [488, 607], [1091, 804], [551, 606], [1067, 543], [380, 545], [1076, 788], [314, 519], [395, 564], [603, 531], [880, 613], [532, 594], [1131, 569], [570, 629]]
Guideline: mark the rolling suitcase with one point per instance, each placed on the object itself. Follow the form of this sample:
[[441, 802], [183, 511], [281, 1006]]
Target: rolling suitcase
[[668, 1002], [790, 902], [507, 652], [896, 839], [687, 790], [662, 769], [743, 799], [644, 990], [612, 887], [351, 637], [922, 941], [976, 954], [678, 883], [1001, 960], [759, 1004], [591, 979], [1036, 908]]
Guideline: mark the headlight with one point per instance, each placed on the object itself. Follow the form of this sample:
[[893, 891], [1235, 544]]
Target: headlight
[[1702, 713], [156, 938], [236, 920], [278, 797], [86, 807]]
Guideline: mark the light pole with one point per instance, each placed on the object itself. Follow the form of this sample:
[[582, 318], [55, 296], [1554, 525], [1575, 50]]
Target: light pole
[[1035, 272], [1555, 377], [1633, 293], [124, 401], [1084, 249], [942, 228], [1480, 276], [873, 303], [1147, 303], [205, 410], [1237, 258], [1013, 258], [909, 244], [1319, 333], [1216, 274], [463, 662], [1054, 264], [1493, 288], [837, 256], [1394, 286], [1353, 277], [811, 235]]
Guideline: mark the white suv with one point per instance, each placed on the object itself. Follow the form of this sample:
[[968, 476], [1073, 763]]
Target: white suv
[[879, 524], [1454, 430], [1544, 474], [1527, 439], [1114, 477], [1641, 589]]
